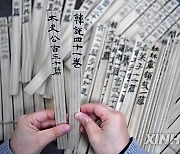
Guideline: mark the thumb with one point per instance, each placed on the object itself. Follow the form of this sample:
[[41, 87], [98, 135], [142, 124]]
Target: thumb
[[51, 134], [90, 126]]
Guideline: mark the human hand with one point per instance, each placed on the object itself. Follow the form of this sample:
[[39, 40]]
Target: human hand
[[34, 131], [111, 136]]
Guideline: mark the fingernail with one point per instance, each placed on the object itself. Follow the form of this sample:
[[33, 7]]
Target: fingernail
[[81, 117]]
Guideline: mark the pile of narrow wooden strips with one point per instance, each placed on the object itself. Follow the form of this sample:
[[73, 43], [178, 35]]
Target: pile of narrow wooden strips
[[123, 53]]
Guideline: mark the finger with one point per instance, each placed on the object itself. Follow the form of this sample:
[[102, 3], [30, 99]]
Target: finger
[[89, 125], [99, 110], [47, 124], [51, 134], [42, 116]]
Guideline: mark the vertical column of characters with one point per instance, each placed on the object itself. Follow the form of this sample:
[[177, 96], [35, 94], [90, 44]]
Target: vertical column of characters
[[57, 72], [128, 75], [116, 72], [92, 62], [76, 76], [144, 89], [135, 80], [104, 59]]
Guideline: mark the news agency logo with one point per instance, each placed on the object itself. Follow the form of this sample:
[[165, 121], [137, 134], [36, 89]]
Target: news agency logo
[[162, 139]]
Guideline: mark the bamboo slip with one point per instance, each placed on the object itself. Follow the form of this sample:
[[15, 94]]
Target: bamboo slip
[[7, 105], [57, 73], [170, 72], [26, 69], [76, 75], [16, 47], [17, 99]]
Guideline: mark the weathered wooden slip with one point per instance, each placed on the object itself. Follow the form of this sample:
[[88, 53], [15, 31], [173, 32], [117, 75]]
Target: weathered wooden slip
[[163, 104], [1, 112], [119, 79], [15, 47], [145, 85], [26, 70], [135, 80], [39, 9], [92, 63], [7, 106], [28, 101], [109, 67], [17, 99], [76, 75], [98, 85], [158, 81], [134, 15], [154, 90], [111, 70], [53, 18], [128, 75], [38, 103], [171, 126], [48, 94]]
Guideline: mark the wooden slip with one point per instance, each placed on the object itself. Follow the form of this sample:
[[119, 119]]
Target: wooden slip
[[109, 68], [98, 85], [112, 69], [57, 73], [39, 79], [88, 5], [119, 79], [128, 75], [28, 102], [76, 73], [39, 9], [158, 81], [1, 112], [166, 89], [96, 13], [17, 99], [83, 143], [92, 63], [67, 15], [48, 91], [26, 70], [145, 120], [15, 47], [134, 15], [135, 80], [144, 88], [38, 103], [5, 76]]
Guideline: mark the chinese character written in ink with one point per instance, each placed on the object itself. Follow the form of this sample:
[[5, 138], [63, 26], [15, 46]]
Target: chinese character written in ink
[[150, 64], [141, 100], [52, 18], [132, 87], [148, 75], [56, 71], [78, 30], [52, 28], [145, 85], [39, 6], [78, 18], [16, 12], [76, 63], [77, 46]]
